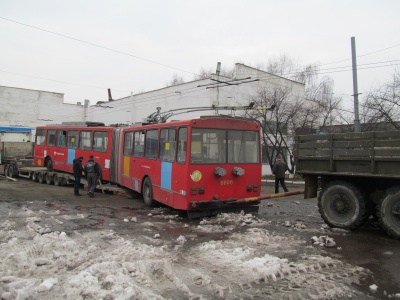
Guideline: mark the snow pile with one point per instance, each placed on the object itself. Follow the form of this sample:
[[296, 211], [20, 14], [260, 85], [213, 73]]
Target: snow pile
[[100, 264], [323, 241]]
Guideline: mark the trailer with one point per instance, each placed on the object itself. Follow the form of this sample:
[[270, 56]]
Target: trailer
[[358, 175], [17, 161]]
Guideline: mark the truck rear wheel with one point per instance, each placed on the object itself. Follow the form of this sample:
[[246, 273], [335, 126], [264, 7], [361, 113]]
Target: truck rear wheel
[[10, 171], [342, 205], [389, 213], [6, 170]]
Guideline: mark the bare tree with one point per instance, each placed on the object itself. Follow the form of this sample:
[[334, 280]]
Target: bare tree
[[292, 114], [382, 104], [226, 72], [203, 74], [175, 80], [278, 124]]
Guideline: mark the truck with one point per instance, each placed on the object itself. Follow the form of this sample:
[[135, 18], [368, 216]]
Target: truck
[[14, 156], [357, 176]]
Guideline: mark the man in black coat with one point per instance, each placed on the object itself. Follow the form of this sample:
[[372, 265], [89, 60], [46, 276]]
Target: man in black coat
[[279, 169], [92, 172], [78, 169]]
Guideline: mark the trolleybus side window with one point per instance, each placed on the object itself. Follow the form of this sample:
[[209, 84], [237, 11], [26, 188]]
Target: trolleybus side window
[[139, 144], [151, 145], [182, 145], [208, 146], [100, 141], [61, 138], [128, 143], [40, 137], [51, 137], [167, 144], [86, 140], [243, 146], [73, 139]]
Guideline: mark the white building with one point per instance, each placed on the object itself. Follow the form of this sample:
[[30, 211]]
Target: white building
[[216, 90]]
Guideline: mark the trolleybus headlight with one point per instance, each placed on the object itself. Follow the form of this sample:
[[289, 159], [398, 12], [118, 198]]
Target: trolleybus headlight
[[193, 191], [201, 190], [220, 171], [249, 187], [238, 171], [255, 188]]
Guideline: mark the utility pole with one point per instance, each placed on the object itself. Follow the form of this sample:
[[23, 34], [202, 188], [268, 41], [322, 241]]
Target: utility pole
[[217, 72], [355, 86]]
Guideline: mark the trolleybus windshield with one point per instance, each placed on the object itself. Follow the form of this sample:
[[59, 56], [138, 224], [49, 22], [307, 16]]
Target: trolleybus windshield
[[211, 146]]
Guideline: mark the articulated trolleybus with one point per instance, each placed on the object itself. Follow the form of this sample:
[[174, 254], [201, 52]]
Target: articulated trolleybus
[[196, 165]]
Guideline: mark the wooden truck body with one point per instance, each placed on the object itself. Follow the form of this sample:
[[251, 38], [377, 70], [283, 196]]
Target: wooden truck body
[[358, 174]]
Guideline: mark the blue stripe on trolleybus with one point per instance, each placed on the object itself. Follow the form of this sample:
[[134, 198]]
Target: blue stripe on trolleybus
[[71, 155], [166, 175]]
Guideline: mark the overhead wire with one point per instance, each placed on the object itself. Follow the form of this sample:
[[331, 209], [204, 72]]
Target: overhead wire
[[196, 89], [148, 60], [96, 45], [164, 65]]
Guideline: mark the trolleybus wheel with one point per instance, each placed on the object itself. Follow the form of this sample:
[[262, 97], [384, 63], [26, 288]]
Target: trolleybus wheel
[[148, 192], [342, 205], [49, 178], [34, 176], [41, 177], [389, 213]]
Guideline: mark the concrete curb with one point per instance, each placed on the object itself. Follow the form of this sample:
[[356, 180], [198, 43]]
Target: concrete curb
[[287, 181]]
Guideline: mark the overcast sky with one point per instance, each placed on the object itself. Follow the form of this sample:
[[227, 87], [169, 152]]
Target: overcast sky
[[81, 48]]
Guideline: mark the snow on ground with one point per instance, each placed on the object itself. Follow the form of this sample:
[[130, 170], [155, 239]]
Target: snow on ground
[[246, 261]]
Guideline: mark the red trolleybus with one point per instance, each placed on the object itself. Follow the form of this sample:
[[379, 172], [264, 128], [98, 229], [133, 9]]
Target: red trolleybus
[[198, 164], [56, 146]]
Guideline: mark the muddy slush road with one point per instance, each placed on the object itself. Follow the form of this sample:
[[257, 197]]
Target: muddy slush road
[[366, 257]]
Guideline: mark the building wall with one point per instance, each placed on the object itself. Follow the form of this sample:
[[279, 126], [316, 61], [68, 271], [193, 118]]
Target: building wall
[[198, 93], [30, 108]]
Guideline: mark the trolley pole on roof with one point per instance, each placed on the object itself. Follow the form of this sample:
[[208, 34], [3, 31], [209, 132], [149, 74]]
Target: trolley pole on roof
[[355, 86]]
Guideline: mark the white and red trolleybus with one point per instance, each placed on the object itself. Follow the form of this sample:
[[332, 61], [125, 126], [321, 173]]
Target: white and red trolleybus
[[192, 165]]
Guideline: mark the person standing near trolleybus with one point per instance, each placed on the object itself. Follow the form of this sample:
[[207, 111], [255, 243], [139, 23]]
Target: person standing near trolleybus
[[78, 169], [279, 169], [92, 173]]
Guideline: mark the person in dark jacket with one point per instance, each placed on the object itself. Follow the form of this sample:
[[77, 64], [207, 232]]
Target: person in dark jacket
[[279, 169], [78, 169], [92, 172]]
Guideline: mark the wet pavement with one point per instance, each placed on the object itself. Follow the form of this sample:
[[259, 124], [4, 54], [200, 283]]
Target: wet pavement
[[369, 247]]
